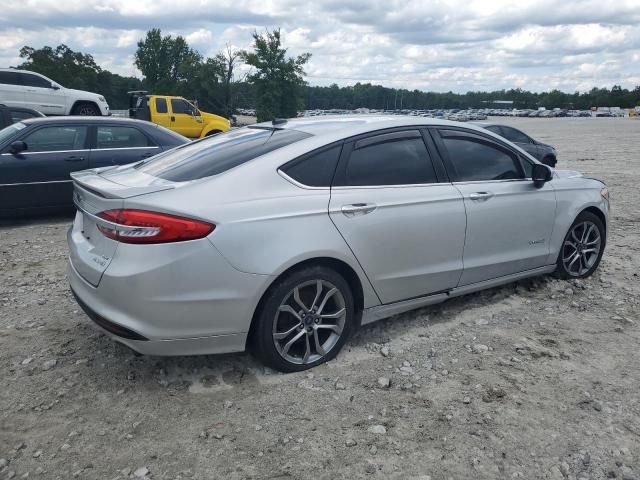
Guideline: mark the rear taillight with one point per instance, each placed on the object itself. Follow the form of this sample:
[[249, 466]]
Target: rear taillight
[[142, 226]]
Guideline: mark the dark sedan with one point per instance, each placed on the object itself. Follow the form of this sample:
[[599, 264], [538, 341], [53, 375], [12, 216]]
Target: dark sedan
[[37, 155], [538, 150]]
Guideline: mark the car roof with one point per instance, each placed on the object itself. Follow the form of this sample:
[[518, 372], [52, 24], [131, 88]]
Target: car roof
[[344, 126], [84, 119]]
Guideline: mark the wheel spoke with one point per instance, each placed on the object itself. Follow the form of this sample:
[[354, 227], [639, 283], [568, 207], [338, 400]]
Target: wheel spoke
[[319, 348], [283, 335], [288, 345], [307, 352], [289, 309], [318, 293], [575, 235], [296, 297], [337, 329], [326, 298], [576, 256], [589, 250], [586, 232], [338, 314]]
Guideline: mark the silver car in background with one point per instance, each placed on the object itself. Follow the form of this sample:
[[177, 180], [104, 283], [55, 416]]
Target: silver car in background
[[284, 237]]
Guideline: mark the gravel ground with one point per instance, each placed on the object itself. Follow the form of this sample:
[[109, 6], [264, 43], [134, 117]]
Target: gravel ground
[[537, 379]]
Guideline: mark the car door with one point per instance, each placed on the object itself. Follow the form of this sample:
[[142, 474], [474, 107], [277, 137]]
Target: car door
[[119, 145], [185, 118], [403, 222], [11, 89], [509, 220], [39, 176], [521, 139], [41, 95], [160, 112]]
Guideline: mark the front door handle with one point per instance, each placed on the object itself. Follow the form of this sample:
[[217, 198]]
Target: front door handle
[[74, 159], [173, 119], [357, 209], [480, 196]]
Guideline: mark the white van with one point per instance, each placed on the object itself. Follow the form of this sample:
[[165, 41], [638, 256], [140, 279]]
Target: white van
[[21, 88]]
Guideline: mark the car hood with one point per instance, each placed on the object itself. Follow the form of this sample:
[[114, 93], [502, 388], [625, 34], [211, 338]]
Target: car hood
[[211, 117], [567, 173]]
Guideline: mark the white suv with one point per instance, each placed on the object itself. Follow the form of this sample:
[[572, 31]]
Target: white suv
[[20, 88]]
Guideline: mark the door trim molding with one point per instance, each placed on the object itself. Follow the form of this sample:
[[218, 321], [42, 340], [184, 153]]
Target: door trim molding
[[379, 312]]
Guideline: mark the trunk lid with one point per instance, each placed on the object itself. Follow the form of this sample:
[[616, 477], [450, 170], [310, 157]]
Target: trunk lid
[[94, 191]]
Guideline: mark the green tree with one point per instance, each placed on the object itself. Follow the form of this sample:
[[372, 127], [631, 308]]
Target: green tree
[[165, 61], [278, 79]]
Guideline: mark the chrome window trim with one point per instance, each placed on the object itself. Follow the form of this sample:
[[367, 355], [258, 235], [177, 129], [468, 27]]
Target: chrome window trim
[[298, 184], [122, 148], [473, 182], [49, 151], [34, 183], [408, 185]]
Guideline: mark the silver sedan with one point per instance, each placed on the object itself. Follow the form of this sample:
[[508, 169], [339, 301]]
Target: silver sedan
[[285, 237]]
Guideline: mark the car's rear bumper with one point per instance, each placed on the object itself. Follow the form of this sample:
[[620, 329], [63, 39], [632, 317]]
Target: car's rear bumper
[[171, 299]]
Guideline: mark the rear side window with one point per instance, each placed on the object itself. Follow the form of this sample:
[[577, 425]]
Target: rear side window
[[515, 136], [314, 169], [120, 137], [30, 80], [161, 105], [403, 161], [218, 154], [10, 78], [474, 159], [19, 115]]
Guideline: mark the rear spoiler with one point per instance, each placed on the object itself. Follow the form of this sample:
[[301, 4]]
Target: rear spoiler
[[92, 181]]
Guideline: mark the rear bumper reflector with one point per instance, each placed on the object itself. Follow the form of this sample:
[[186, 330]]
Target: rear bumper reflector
[[108, 325]]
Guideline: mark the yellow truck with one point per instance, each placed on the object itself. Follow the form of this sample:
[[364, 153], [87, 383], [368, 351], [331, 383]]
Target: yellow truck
[[175, 113]]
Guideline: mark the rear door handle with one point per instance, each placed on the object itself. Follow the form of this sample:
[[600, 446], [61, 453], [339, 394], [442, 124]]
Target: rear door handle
[[74, 159], [480, 196], [357, 209]]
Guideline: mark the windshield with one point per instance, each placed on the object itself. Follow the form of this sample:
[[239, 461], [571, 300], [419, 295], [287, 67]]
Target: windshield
[[10, 132], [218, 154]]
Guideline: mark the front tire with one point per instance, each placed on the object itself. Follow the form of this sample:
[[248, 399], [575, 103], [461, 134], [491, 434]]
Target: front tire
[[582, 247], [305, 320], [86, 109]]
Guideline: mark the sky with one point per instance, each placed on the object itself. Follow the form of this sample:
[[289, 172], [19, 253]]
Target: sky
[[435, 45]]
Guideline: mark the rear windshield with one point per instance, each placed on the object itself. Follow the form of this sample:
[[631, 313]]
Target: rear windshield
[[218, 154]]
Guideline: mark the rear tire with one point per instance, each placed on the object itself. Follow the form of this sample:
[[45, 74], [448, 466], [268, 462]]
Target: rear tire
[[304, 320], [86, 108], [582, 247]]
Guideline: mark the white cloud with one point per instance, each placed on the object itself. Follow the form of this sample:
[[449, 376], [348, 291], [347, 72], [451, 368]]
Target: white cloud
[[438, 45]]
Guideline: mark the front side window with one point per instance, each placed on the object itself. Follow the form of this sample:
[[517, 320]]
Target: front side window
[[10, 78], [54, 139], [30, 80], [181, 106], [219, 153], [120, 137], [403, 161], [161, 105], [475, 159], [515, 136], [315, 169]]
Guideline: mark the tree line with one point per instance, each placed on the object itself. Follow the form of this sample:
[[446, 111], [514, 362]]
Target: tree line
[[275, 85]]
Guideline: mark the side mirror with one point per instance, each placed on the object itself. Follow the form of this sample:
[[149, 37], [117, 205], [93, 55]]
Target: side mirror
[[55, 86], [540, 175], [17, 147]]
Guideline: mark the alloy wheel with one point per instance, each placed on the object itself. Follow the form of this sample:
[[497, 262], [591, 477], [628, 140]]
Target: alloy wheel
[[309, 322], [581, 248]]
